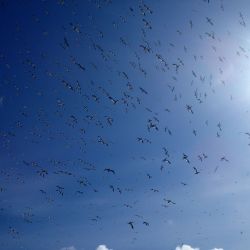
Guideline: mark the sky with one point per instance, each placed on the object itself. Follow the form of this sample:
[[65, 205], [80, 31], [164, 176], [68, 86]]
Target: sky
[[124, 125]]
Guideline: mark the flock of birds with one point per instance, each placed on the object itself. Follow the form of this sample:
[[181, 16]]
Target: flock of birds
[[94, 95]]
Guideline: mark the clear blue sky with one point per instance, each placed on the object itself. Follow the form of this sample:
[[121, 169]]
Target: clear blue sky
[[124, 124]]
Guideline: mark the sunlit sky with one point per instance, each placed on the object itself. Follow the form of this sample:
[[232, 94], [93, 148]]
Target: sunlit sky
[[125, 125]]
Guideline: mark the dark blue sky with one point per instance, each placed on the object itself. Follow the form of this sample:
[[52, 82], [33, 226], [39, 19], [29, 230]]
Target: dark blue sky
[[124, 125]]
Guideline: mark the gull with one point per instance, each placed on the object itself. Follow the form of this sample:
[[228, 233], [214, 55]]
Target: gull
[[127, 205], [185, 157], [95, 98], [168, 130], [166, 160], [191, 24], [42, 172], [170, 201], [219, 126], [209, 20], [149, 176], [60, 190], [205, 156], [100, 140], [154, 190], [112, 187], [112, 100], [42, 191], [196, 171], [200, 158], [131, 224], [109, 170], [166, 151], [143, 90], [189, 109], [223, 158], [110, 120]]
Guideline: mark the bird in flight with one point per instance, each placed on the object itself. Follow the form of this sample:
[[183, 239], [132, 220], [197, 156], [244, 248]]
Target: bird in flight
[[109, 170], [185, 158], [131, 224]]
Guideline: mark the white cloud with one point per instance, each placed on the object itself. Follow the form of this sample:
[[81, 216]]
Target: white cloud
[[102, 247], [186, 247], [68, 248]]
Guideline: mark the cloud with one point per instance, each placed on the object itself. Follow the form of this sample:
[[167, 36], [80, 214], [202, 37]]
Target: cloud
[[186, 247], [102, 247], [68, 248]]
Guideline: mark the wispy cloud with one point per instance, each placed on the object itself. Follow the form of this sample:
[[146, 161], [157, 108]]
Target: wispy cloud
[[68, 248]]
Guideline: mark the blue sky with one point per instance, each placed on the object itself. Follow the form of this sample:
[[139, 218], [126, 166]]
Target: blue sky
[[124, 125]]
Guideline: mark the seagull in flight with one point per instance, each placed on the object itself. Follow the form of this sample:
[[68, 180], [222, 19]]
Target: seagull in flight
[[131, 223]]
